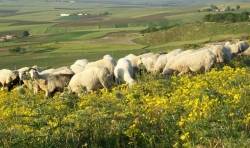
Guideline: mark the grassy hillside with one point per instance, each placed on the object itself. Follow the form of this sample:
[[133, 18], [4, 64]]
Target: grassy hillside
[[195, 33]]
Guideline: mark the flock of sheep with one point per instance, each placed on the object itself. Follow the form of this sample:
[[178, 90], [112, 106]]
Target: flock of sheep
[[107, 72]]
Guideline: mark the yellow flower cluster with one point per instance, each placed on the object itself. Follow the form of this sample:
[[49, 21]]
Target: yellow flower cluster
[[156, 113]]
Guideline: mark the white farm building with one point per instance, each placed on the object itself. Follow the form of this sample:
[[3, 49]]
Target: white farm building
[[63, 14]]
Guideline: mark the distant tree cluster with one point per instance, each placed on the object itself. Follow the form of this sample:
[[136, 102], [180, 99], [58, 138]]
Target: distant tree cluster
[[230, 17], [215, 8], [17, 50], [154, 29]]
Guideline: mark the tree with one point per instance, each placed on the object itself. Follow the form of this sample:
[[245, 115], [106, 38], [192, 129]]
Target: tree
[[238, 7], [26, 33], [213, 7], [228, 8]]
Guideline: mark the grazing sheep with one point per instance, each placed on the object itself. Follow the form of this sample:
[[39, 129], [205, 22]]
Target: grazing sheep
[[124, 72], [34, 74], [150, 64], [39, 69], [54, 83], [82, 62], [17, 81], [174, 58], [147, 62], [102, 62], [222, 53], [38, 78], [92, 78], [163, 59], [192, 62], [234, 49], [133, 60], [245, 53], [243, 45], [28, 82], [109, 57], [227, 44], [64, 70], [76, 68], [7, 76]]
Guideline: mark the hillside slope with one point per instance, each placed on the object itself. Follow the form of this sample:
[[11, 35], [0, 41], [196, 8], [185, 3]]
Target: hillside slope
[[191, 32]]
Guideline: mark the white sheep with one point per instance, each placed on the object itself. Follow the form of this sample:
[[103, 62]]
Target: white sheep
[[102, 62], [63, 70], [92, 78], [174, 58], [222, 53], [7, 76], [147, 62], [76, 68], [192, 62], [133, 60], [109, 57], [227, 44], [163, 59], [234, 49], [82, 62], [124, 71]]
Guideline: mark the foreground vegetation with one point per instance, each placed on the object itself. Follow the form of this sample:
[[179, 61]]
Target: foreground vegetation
[[194, 110]]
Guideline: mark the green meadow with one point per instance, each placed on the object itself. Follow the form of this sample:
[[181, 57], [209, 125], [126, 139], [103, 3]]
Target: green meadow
[[53, 36]]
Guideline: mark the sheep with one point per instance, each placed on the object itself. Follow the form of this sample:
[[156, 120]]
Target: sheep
[[54, 83], [245, 53], [102, 62], [243, 45], [162, 60], [234, 49], [174, 58], [92, 78], [109, 57], [82, 62], [17, 81], [222, 53], [151, 63], [36, 78], [147, 62], [39, 69], [124, 71], [76, 68], [34, 74], [64, 70], [7, 76], [227, 44], [29, 83], [192, 62], [134, 61]]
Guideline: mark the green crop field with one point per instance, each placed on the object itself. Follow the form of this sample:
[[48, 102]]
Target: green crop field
[[88, 34]]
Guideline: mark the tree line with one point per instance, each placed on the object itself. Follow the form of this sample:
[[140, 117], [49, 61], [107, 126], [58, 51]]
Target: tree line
[[230, 17]]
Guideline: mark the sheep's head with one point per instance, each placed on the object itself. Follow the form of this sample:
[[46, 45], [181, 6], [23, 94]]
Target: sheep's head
[[33, 73], [167, 73]]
